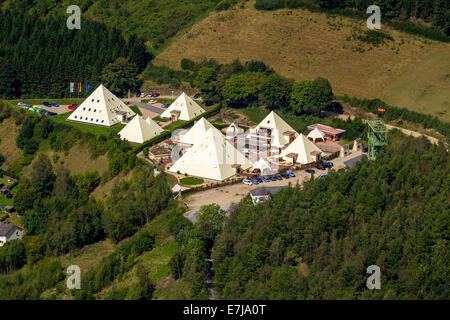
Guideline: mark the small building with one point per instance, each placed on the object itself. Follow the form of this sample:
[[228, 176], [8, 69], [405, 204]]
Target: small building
[[10, 209], [263, 194], [330, 133], [315, 135], [357, 145], [9, 232]]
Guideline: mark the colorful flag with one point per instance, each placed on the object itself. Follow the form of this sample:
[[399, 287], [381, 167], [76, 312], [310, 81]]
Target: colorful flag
[[79, 87], [88, 87], [381, 109], [72, 87]]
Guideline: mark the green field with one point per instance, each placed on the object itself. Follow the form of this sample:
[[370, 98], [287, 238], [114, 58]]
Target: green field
[[191, 181], [98, 130]]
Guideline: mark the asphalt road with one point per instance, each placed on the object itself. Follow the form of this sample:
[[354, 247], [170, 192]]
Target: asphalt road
[[148, 107]]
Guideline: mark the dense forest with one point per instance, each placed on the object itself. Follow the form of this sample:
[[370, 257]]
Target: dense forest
[[434, 12], [316, 242], [40, 57]]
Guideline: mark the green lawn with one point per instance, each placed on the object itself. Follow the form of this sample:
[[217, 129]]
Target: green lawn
[[191, 181], [172, 125], [136, 110], [161, 119], [98, 130]]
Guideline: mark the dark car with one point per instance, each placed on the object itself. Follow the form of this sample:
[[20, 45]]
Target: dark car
[[259, 180], [310, 171], [285, 175], [273, 178], [47, 104], [9, 196], [49, 113], [197, 96], [266, 179], [54, 104], [328, 164], [320, 167], [166, 105], [365, 150], [279, 177]]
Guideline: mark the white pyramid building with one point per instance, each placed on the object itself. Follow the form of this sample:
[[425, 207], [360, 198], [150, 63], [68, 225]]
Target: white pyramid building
[[280, 129], [183, 108], [139, 130], [212, 158], [102, 108], [302, 150], [197, 132]]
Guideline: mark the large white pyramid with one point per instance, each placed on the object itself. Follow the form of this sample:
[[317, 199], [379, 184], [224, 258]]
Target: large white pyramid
[[139, 130], [279, 127], [197, 132], [303, 148], [212, 158], [102, 108], [187, 108]]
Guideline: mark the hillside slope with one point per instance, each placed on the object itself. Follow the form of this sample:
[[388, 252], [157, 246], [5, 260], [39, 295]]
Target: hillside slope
[[410, 71]]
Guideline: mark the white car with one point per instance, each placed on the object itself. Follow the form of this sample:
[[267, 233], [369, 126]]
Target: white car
[[22, 104], [143, 95], [247, 182], [152, 102]]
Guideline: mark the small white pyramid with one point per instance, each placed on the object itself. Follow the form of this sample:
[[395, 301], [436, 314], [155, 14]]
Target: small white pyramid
[[139, 130], [188, 109], [303, 148], [197, 132], [212, 158], [102, 108]]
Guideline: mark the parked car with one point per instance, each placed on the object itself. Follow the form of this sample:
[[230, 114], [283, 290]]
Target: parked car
[[279, 177], [321, 167], [273, 178], [54, 104], [197, 96], [247, 182], [328, 164], [49, 113], [9, 196], [291, 174], [310, 171], [47, 104], [28, 107], [259, 180], [21, 104], [323, 175], [255, 181], [286, 176], [71, 107], [152, 102], [138, 94], [155, 95], [266, 179], [166, 105]]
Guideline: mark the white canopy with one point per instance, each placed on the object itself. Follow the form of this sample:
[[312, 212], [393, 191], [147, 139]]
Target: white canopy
[[316, 134], [263, 166], [233, 130], [177, 188], [188, 108], [102, 108]]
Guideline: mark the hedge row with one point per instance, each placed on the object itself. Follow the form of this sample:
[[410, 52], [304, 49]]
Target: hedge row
[[168, 133], [9, 174], [394, 113]]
